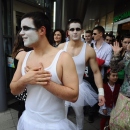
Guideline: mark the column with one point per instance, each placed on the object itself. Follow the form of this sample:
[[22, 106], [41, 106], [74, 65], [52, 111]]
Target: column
[[3, 102]]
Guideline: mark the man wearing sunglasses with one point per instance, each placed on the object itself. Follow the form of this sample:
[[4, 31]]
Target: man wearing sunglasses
[[82, 55], [109, 39], [103, 50]]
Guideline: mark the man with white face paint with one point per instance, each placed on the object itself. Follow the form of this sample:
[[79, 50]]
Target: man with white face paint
[[46, 80], [82, 55]]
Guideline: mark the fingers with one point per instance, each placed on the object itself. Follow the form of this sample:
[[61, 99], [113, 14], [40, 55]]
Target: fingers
[[43, 79], [41, 66], [116, 43], [101, 101], [26, 69]]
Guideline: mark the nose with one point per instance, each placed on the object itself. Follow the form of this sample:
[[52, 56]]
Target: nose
[[21, 32]]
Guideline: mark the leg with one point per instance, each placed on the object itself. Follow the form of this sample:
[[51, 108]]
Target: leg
[[103, 122], [21, 108], [92, 111], [79, 117], [91, 114]]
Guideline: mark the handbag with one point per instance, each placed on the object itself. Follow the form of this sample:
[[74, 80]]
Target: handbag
[[120, 115], [22, 96]]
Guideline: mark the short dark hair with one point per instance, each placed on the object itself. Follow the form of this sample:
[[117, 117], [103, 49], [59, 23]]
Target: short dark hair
[[74, 20], [89, 31], [125, 36], [109, 35], [39, 20], [100, 29]]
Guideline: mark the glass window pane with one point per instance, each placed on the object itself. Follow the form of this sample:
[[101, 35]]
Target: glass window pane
[[103, 21], [109, 22]]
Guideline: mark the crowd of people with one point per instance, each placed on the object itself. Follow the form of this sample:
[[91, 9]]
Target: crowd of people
[[56, 71]]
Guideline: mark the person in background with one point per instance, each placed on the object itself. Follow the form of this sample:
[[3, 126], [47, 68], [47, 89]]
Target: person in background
[[124, 95], [19, 50], [124, 41], [89, 38], [88, 76], [109, 39], [111, 91], [58, 37], [82, 55], [103, 50]]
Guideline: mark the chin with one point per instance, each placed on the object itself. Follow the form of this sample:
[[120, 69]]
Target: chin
[[28, 44]]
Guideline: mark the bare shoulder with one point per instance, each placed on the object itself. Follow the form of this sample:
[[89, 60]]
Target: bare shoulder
[[66, 58], [21, 55], [61, 46], [90, 51], [65, 55]]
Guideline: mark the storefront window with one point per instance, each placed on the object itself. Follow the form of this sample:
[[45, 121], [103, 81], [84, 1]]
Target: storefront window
[[109, 22], [103, 21], [115, 26]]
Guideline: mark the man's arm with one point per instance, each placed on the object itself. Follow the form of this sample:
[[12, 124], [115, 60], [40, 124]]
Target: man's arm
[[19, 82], [90, 54], [70, 88], [17, 75]]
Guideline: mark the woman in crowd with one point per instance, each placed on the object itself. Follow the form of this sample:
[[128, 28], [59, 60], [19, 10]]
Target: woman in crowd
[[19, 50], [111, 90], [124, 41], [58, 37], [120, 118]]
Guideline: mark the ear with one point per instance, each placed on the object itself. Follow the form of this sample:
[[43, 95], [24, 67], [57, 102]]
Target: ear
[[82, 31], [42, 30], [68, 32]]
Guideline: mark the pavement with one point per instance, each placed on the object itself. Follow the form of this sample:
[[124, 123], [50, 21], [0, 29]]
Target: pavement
[[9, 119]]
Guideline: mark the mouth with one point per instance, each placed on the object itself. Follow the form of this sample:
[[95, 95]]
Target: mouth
[[24, 38]]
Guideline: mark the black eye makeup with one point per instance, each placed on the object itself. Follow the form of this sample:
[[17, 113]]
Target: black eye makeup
[[26, 28]]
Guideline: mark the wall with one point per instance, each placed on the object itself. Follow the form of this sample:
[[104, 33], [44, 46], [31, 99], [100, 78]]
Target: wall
[[21, 7]]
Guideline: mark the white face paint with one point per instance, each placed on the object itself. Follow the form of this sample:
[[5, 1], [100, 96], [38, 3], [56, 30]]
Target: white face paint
[[29, 32], [75, 35]]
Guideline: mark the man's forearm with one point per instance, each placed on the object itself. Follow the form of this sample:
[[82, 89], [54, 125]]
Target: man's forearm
[[63, 92], [17, 87], [99, 83]]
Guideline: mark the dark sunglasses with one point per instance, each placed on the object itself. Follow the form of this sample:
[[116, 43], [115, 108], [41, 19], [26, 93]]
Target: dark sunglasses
[[26, 28], [77, 29], [94, 33]]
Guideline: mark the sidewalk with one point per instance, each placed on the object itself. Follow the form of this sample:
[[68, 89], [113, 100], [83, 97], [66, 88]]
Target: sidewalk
[[9, 119]]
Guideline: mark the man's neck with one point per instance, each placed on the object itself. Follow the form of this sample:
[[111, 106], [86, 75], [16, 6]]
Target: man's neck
[[99, 43], [42, 47], [75, 43], [89, 42]]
